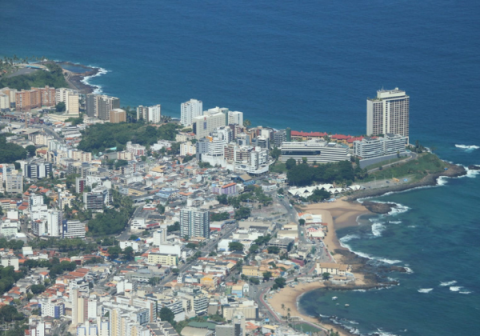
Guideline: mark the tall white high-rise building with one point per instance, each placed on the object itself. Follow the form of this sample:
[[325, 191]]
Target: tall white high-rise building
[[388, 113], [194, 223], [54, 222], [152, 114], [235, 118], [189, 110]]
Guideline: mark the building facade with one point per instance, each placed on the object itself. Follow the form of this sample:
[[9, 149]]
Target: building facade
[[389, 113], [315, 151], [190, 110], [194, 223]]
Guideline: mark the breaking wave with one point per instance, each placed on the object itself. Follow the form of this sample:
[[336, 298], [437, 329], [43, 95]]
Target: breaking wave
[[467, 147], [448, 283], [425, 290]]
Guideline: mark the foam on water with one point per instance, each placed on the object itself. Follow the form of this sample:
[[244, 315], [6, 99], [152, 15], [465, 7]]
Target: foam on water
[[408, 269], [448, 283], [467, 147], [86, 80], [425, 290], [345, 239], [395, 222], [455, 288], [464, 292], [377, 229]]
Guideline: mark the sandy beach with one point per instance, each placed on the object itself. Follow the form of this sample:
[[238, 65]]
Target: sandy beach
[[336, 215]]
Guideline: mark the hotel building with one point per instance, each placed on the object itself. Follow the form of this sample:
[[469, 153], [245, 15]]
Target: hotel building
[[315, 151], [388, 113]]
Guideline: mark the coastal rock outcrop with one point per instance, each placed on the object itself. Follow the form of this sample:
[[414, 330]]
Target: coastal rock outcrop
[[378, 208]]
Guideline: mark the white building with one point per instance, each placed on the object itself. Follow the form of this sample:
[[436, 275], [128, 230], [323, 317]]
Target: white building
[[388, 113], [190, 110], [314, 151], [70, 98], [152, 114], [10, 260], [188, 148], [73, 229], [235, 118], [390, 144], [54, 223], [194, 223], [211, 119]]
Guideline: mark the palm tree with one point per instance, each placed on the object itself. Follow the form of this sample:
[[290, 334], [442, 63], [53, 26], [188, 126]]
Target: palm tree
[[283, 308]]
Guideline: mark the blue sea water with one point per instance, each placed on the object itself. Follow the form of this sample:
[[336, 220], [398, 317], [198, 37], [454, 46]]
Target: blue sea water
[[309, 65]]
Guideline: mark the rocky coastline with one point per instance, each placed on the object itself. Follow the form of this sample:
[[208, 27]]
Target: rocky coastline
[[76, 79], [428, 181]]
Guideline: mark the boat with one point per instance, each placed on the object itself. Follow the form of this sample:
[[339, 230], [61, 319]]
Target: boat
[[347, 305], [334, 298]]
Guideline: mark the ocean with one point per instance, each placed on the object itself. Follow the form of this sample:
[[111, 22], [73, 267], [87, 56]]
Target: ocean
[[309, 65]]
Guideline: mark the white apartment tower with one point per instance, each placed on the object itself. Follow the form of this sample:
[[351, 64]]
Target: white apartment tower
[[194, 223], [388, 113], [152, 114], [189, 110]]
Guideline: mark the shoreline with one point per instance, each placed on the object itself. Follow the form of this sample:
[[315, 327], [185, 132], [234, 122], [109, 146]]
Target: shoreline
[[79, 80], [430, 180], [343, 213]]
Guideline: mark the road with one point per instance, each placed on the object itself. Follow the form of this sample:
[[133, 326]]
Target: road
[[412, 156], [50, 131]]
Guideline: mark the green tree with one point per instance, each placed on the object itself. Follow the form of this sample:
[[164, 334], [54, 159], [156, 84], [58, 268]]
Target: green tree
[[133, 237], [273, 249], [290, 163], [128, 253], [280, 282], [114, 252], [221, 216], [235, 246], [276, 153], [326, 276], [222, 199], [154, 281], [254, 248], [160, 209], [301, 221], [247, 123], [31, 150], [255, 281], [60, 107], [242, 213], [267, 275], [167, 315], [37, 289]]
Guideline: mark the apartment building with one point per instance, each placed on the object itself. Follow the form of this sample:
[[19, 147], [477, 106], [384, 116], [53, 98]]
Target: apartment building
[[36, 97], [99, 106], [152, 114], [71, 99], [118, 115], [190, 110], [162, 259], [194, 223]]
